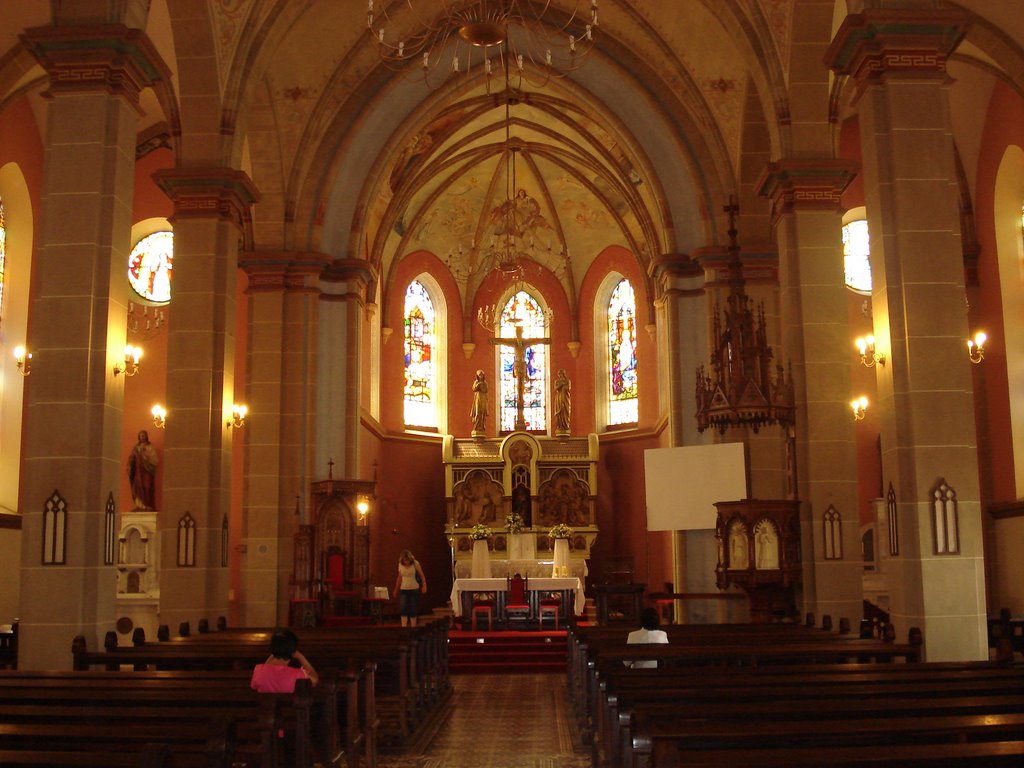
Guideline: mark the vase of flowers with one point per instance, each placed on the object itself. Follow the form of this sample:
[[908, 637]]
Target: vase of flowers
[[481, 565], [561, 533], [514, 523]]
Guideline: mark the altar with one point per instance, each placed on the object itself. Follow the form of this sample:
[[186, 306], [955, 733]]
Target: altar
[[570, 590], [538, 480]]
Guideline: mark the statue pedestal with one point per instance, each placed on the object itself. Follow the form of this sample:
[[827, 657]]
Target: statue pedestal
[[481, 560]]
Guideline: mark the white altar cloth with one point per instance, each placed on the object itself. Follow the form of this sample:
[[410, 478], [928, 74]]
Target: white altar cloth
[[534, 584]]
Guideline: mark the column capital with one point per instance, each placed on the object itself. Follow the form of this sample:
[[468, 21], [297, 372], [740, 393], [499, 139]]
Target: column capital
[[759, 261], [209, 193], [880, 41], [282, 271], [105, 58], [349, 276], [805, 183]]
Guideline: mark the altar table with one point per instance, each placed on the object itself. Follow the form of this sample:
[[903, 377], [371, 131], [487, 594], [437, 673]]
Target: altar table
[[463, 589]]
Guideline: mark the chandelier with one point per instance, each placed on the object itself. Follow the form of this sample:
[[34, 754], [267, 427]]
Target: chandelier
[[516, 246], [512, 36], [741, 390]]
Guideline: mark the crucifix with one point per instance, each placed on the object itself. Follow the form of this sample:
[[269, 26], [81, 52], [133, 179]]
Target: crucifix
[[519, 345]]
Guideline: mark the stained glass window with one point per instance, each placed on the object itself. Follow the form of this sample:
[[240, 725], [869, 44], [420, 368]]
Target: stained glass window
[[420, 373], [524, 310], [856, 252], [3, 253], [150, 265], [622, 393]]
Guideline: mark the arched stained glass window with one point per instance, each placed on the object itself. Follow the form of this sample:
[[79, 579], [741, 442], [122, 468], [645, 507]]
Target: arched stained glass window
[[420, 371], [622, 382], [523, 309], [856, 255], [3, 254], [150, 265]]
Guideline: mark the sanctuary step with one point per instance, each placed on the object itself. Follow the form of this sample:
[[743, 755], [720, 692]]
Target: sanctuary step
[[506, 652]]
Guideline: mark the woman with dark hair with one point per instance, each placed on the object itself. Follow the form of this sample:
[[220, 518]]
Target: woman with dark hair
[[408, 586], [284, 666]]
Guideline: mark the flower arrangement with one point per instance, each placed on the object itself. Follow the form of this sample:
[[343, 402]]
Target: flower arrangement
[[560, 531], [514, 522], [479, 531]]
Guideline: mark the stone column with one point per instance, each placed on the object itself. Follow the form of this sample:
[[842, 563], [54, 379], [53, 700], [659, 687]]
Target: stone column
[[805, 208], [896, 59], [339, 380], [211, 207], [282, 343], [682, 346], [73, 400]]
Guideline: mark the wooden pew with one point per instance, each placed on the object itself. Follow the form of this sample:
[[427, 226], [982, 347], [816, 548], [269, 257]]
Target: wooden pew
[[202, 722]]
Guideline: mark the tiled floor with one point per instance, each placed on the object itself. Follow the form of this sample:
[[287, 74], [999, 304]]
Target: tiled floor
[[501, 721]]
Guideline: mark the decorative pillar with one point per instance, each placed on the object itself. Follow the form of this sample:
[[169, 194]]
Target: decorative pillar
[[682, 344], [805, 208], [339, 380], [211, 210], [897, 59], [73, 400], [282, 338]]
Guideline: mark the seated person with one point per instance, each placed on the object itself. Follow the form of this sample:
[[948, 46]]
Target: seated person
[[649, 633], [283, 667]]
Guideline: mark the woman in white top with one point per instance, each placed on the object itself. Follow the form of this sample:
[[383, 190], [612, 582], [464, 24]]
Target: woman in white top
[[408, 586], [648, 634]]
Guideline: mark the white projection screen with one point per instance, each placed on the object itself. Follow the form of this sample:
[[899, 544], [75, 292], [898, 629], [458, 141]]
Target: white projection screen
[[683, 484]]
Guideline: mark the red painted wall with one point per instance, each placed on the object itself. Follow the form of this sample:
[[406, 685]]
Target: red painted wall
[[1004, 127]]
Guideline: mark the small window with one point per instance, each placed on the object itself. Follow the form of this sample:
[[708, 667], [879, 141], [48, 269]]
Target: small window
[[523, 309], [856, 255], [420, 370], [150, 266], [623, 403]]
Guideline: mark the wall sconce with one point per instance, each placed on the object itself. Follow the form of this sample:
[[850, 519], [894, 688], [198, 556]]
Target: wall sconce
[[130, 367], [866, 346], [976, 347], [238, 414], [159, 416], [362, 507], [24, 360], [859, 407]]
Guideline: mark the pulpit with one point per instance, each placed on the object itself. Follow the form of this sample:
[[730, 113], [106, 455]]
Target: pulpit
[[759, 550]]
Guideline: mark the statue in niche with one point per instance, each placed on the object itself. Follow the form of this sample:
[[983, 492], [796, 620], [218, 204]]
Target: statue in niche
[[478, 413], [738, 552], [521, 504], [563, 403], [142, 464], [766, 546]]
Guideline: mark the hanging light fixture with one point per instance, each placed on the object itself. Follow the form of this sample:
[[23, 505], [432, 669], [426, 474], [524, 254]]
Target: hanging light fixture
[[740, 390], [518, 36]]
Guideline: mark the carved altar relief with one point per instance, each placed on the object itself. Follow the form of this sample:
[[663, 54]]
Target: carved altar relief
[[564, 499], [478, 499]]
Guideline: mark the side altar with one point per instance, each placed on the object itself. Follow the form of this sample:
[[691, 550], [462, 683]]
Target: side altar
[[545, 480]]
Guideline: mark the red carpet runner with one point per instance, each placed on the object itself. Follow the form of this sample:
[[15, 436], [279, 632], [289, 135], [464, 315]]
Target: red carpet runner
[[497, 652]]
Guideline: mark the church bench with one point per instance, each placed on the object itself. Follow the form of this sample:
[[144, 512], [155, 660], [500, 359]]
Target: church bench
[[986, 754], [212, 727], [336, 698], [671, 743], [752, 654], [704, 698]]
